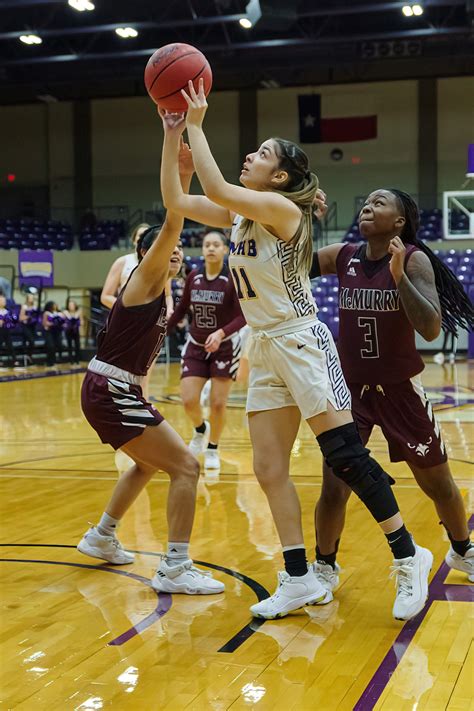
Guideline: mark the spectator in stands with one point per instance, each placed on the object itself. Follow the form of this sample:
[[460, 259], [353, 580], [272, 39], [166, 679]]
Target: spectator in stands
[[29, 315], [5, 287], [72, 325], [53, 322], [7, 322]]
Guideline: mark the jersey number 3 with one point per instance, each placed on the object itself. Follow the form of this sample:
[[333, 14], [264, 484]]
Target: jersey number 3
[[242, 283], [369, 324]]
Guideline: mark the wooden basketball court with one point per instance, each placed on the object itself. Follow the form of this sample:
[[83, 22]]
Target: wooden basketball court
[[78, 634]]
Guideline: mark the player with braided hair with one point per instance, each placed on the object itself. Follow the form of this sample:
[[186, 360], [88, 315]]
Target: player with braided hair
[[391, 286]]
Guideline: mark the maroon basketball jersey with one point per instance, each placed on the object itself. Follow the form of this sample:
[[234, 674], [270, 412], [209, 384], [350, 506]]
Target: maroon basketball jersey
[[133, 335], [376, 340], [214, 305]]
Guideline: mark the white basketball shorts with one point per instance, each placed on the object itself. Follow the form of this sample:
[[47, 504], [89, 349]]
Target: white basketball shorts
[[300, 369]]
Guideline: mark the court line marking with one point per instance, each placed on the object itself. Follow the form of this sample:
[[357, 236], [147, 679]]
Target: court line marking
[[164, 599], [252, 481], [438, 590], [164, 604]]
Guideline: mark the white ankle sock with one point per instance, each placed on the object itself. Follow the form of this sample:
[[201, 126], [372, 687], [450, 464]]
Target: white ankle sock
[[107, 525], [177, 553]]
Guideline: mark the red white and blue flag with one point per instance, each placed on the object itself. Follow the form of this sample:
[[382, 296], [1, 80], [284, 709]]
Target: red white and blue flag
[[314, 129]]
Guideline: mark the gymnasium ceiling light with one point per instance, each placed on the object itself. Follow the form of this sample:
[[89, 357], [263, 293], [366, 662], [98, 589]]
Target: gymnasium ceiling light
[[410, 10], [126, 32], [253, 12], [30, 39], [81, 5]]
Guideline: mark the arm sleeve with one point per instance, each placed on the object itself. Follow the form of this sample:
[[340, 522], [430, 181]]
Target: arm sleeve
[[315, 270], [183, 307], [238, 320]]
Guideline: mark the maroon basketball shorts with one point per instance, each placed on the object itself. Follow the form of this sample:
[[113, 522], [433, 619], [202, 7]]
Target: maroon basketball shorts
[[405, 416], [116, 410], [224, 363]]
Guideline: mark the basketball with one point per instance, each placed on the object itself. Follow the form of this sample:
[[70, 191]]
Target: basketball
[[168, 71]]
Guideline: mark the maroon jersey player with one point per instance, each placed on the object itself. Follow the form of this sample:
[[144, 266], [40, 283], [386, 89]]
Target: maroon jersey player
[[389, 287], [113, 402], [212, 348]]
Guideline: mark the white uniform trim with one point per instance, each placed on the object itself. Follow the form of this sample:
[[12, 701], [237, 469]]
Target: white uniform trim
[[300, 369], [111, 371]]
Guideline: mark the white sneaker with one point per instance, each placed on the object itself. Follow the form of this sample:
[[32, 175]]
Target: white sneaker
[[438, 358], [104, 547], [199, 442], [185, 578], [291, 594], [411, 583], [327, 575], [211, 459], [205, 393], [465, 562], [451, 358]]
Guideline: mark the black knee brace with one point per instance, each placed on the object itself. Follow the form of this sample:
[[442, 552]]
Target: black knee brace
[[344, 452]]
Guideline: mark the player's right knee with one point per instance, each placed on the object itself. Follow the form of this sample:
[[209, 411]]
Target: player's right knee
[[344, 452], [265, 471]]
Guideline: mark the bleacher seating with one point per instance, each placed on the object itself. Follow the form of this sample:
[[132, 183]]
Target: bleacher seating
[[53, 234], [325, 291], [104, 235], [35, 234]]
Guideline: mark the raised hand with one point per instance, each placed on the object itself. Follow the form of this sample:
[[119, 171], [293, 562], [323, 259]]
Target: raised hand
[[397, 263], [197, 104], [185, 159], [172, 123], [319, 204]]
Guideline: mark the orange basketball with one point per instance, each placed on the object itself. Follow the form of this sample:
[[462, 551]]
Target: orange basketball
[[168, 71]]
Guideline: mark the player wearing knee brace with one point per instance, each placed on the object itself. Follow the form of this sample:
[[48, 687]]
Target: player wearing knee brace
[[294, 367]]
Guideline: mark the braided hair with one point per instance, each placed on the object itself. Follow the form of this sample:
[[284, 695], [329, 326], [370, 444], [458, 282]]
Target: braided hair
[[300, 188], [456, 308]]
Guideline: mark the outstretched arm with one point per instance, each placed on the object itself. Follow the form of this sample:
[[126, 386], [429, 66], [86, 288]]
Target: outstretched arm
[[265, 207], [195, 207], [324, 260], [149, 279], [417, 289]]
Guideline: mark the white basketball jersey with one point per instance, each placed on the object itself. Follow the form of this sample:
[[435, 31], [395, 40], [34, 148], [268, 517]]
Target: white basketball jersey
[[129, 264], [269, 289]]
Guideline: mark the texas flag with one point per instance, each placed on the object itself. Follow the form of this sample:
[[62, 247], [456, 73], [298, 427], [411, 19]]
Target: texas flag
[[314, 129]]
